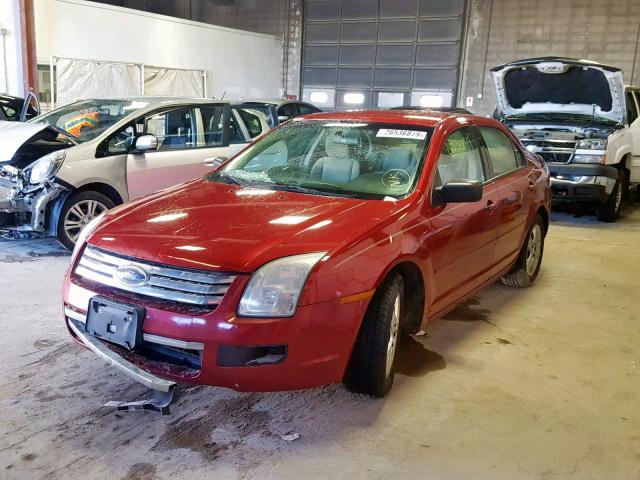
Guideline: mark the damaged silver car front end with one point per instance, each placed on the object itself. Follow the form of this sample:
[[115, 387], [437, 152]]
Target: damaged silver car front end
[[23, 206]]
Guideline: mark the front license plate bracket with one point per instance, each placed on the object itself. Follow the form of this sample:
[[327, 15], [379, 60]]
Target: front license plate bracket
[[115, 322]]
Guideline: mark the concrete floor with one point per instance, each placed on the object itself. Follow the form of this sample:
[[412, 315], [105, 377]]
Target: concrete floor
[[528, 384]]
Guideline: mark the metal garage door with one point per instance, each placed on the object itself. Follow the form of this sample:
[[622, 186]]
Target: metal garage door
[[381, 53]]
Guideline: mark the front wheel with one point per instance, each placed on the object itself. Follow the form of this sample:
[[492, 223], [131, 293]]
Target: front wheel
[[78, 210], [527, 267], [371, 369], [609, 211]]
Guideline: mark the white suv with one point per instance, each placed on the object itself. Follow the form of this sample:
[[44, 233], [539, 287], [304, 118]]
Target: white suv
[[582, 120], [65, 167]]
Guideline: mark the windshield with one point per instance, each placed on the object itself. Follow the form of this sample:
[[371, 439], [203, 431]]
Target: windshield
[[88, 119], [330, 158]]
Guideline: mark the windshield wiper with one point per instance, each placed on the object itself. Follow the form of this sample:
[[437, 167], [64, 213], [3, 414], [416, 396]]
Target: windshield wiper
[[231, 178], [332, 190]]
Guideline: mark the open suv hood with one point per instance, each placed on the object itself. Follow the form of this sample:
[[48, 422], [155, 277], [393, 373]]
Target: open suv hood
[[559, 85]]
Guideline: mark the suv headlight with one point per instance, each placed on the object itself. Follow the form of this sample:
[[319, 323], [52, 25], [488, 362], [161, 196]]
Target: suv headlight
[[46, 167], [274, 290], [592, 144]]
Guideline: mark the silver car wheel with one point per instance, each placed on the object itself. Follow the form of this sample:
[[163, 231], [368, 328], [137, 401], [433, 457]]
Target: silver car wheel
[[534, 250], [79, 215], [394, 330]]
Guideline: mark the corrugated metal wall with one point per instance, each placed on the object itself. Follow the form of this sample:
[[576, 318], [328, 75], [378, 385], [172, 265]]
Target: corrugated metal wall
[[381, 52]]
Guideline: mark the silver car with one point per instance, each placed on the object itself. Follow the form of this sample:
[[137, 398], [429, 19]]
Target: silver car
[[61, 169]]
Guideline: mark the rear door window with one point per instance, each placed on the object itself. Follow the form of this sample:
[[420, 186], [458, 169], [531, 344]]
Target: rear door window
[[213, 125], [251, 121], [175, 129], [503, 154]]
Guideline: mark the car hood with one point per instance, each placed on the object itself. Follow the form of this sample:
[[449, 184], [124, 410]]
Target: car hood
[[210, 225], [559, 85], [14, 135]]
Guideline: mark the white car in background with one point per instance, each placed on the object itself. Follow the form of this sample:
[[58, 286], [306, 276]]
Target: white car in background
[[63, 168], [580, 117]]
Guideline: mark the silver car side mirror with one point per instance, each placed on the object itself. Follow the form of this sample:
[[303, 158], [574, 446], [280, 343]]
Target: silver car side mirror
[[146, 143]]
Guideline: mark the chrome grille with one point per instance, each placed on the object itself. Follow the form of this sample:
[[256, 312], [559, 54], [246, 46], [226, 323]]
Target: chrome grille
[[552, 150], [201, 288]]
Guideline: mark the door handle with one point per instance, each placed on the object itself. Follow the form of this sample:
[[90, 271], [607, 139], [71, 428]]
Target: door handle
[[214, 161], [490, 205]]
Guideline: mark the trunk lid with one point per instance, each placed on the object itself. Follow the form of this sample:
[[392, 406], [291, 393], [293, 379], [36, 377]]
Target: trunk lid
[[554, 85]]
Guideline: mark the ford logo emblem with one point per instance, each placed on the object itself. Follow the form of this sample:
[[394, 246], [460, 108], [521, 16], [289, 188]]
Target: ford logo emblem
[[132, 276]]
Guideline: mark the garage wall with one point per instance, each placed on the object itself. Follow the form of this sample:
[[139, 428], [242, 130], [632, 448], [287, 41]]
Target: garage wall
[[503, 30], [383, 52], [244, 64]]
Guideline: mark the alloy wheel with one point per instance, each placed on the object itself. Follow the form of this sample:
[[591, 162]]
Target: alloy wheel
[[394, 330], [79, 215], [534, 249]]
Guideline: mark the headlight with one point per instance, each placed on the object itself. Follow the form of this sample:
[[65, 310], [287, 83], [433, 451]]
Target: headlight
[[578, 158], [592, 144], [274, 290], [84, 233], [46, 167]]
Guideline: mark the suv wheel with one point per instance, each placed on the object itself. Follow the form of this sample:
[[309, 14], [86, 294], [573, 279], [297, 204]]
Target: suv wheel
[[527, 267], [371, 369], [611, 209], [78, 210]]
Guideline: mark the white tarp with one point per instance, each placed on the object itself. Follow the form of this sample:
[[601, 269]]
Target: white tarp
[[81, 79], [174, 83]]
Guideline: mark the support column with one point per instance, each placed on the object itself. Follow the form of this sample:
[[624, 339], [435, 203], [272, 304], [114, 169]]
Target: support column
[[28, 40]]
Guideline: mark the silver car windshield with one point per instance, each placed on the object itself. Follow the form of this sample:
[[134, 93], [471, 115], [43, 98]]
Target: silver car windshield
[[362, 160], [86, 120]]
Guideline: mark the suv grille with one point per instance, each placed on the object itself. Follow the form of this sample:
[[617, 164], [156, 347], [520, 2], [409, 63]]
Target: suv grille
[[202, 288], [552, 150]]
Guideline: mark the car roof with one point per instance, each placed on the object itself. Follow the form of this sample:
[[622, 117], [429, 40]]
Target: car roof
[[427, 118], [157, 100], [271, 101]]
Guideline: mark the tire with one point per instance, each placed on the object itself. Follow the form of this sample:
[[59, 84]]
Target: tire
[[525, 271], [371, 369], [611, 209], [78, 210]]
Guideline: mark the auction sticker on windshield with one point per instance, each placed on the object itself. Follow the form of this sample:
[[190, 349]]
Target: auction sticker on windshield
[[395, 133]]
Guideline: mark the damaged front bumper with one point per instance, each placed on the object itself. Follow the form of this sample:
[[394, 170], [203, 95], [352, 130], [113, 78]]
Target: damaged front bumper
[[96, 346], [25, 206], [590, 183]]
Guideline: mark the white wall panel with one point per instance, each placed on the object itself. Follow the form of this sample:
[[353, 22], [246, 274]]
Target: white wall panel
[[243, 64]]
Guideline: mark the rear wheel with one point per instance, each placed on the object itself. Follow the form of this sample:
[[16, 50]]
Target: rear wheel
[[78, 210], [371, 369], [527, 267], [611, 209]]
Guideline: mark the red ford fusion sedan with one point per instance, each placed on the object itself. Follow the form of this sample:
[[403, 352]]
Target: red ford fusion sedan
[[301, 261]]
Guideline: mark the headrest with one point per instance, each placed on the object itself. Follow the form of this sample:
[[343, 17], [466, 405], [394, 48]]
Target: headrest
[[397, 158]]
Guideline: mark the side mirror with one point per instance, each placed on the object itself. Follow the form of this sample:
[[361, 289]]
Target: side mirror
[[460, 191], [214, 162], [146, 143], [282, 118]]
